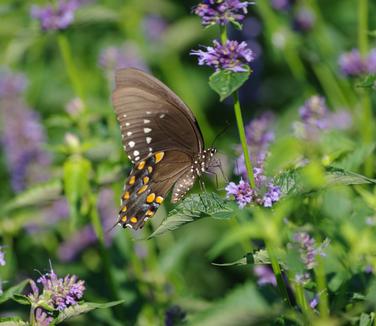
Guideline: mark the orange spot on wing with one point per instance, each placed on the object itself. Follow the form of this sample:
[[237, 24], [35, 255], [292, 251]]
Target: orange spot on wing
[[132, 180], [145, 180], [133, 219], [141, 165], [126, 195], [159, 199], [159, 157], [150, 198], [142, 189]]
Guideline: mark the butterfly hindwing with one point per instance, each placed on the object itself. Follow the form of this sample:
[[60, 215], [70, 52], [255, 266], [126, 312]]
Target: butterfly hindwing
[[148, 184]]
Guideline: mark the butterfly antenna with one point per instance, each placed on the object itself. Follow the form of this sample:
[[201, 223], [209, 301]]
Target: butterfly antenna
[[221, 133]]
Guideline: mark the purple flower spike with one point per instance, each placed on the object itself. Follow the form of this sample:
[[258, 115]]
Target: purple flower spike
[[265, 275], [281, 4], [11, 84], [352, 63], [242, 192], [231, 56], [59, 293], [314, 112], [306, 248], [56, 17], [2, 257], [371, 62], [41, 317], [221, 12], [304, 20]]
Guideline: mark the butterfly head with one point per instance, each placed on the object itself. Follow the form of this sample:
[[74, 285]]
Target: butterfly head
[[203, 161]]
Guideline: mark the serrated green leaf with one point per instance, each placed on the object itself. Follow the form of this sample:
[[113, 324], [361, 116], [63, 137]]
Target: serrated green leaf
[[83, 308], [39, 194], [16, 289], [12, 321], [368, 82], [291, 182], [193, 208], [242, 306], [225, 82]]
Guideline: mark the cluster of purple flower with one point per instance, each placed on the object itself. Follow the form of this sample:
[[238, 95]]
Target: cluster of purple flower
[[22, 136], [221, 12], [354, 64], [315, 117], [232, 56], [259, 136], [265, 193], [58, 293], [309, 250], [56, 17]]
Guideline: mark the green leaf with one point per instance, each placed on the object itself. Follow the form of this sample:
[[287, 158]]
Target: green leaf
[[39, 194], [242, 306], [225, 82], [292, 183], [83, 308], [12, 321], [368, 82], [366, 319], [193, 208], [22, 299], [16, 289], [353, 160], [259, 257]]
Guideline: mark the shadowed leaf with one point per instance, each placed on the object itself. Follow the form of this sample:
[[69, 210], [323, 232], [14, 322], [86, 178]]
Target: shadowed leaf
[[16, 289]]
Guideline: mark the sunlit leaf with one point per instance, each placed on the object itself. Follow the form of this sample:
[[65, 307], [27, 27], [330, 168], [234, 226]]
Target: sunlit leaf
[[193, 208], [83, 308], [225, 82], [353, 160], [12, 321], [16, 289]]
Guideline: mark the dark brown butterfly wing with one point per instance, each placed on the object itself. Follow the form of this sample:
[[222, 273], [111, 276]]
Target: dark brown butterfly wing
[[148, 184], [152, 118]]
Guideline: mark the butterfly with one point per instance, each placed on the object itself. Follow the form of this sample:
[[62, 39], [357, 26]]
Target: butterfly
[[163, 141]]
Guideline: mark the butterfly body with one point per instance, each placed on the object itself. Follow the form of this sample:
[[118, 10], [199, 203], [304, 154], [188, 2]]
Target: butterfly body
[[162, 140]]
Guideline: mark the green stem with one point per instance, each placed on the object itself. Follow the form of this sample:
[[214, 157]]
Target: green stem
[[240, 123], [302, 301], [243, 139], [321, 288], [73, 74], [106, 263], [366, 118], [278, 274]]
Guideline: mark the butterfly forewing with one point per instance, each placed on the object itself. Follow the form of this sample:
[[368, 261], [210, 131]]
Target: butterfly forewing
[[150, 114]]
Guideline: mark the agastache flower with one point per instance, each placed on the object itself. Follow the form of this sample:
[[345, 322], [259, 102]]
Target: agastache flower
[[11, 84], [23, 137], [304, 19], [2, 257], [42, 318], [59, 293], [265, 275], [221, 12], [281, 4], [56, 17], [264, 194], [315, 117], [232, 56], [354, 64], [308, 249], [154, 27]]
